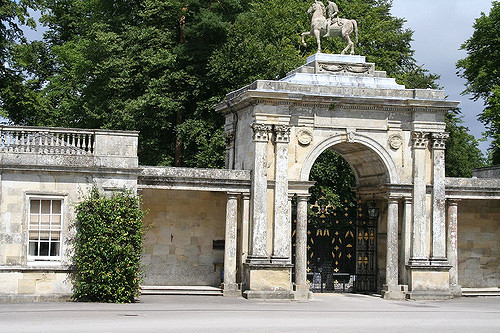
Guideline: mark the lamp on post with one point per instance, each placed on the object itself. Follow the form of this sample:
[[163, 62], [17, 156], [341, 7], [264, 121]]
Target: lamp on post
[[373, 211]]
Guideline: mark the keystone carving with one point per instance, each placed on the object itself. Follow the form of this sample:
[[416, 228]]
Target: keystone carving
[[420, 139], [261, 132], [282, 133], [439, 140]]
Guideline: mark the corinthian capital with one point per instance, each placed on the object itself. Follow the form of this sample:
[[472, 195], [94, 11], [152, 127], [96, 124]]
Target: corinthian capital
[[420, 139], [439, 140], [261, 132], [282, 133]]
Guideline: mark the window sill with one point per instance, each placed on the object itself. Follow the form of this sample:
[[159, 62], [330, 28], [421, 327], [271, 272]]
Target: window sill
[[37, 267]]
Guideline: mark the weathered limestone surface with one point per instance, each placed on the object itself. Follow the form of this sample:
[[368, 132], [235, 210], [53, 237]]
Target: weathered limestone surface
[[180, 229], [230, 260], [479, 243], [489, 172]]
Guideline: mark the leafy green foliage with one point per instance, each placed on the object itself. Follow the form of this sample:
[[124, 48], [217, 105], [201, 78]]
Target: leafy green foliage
[[481, 69], [13, 14], [334, 181], [108, 247], [461, 148], [158, 66]]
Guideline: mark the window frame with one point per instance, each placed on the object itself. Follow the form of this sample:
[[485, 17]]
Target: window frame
[[38, 258]]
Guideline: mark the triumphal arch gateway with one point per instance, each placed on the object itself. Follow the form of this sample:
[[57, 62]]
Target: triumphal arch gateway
[[243, 230]]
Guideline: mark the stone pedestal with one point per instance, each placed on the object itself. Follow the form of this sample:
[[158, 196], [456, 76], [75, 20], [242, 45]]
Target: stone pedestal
[[429, 282], [268, 281]]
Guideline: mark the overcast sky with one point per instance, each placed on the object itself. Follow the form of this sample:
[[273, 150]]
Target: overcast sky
[[440, 27]]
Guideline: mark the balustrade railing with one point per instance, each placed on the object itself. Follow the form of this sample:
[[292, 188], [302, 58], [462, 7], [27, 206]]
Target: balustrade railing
[[46, 141]]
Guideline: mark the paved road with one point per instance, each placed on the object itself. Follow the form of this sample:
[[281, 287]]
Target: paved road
[[327, 313]]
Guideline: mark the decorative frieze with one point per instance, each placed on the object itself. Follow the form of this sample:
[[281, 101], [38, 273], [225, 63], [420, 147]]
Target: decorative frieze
[[420, 139], [282, 133], [261, 132], [439, 140]]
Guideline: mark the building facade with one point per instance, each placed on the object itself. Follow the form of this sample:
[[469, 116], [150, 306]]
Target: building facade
[[435, 235]]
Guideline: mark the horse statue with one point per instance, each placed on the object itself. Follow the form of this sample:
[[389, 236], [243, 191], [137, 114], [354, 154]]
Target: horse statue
[[323, 27]]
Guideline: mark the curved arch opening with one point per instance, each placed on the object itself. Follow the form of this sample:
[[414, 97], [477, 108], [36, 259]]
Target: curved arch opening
[[342, 237], [371, 163]]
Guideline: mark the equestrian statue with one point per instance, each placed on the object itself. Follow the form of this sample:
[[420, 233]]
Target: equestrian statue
[[325, 23]]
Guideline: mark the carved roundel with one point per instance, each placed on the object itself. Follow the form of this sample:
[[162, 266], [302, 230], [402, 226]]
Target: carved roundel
[[395, 141], [304, 136]]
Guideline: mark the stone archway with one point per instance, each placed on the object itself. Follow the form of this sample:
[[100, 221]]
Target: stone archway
[[370, 161], [392, 137]]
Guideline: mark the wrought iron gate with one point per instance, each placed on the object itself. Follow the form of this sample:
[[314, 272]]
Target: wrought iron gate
[[341, 249]]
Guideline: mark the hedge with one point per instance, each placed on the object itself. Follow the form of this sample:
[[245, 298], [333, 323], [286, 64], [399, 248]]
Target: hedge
[[107, 248]]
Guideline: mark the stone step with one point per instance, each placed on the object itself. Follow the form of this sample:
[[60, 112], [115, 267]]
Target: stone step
[[470, 292], [181, 290]]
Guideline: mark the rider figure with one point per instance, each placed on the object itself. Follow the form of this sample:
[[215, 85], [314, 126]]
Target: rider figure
[[332, 11]]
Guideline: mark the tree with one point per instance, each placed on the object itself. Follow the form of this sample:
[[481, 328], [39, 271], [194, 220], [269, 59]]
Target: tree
[[130, 65], [159, 66], [481, 69], [13, 14], [462, 151]]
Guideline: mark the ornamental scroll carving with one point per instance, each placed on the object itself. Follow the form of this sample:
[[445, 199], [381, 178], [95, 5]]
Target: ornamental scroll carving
[[337, 68], [420, 139], [261, 132], [439, 140]]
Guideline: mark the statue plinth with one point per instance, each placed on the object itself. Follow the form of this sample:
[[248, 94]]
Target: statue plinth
[[341, 70]]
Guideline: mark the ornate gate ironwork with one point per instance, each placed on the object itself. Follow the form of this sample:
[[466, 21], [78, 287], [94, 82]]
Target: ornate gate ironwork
[[341, 249]]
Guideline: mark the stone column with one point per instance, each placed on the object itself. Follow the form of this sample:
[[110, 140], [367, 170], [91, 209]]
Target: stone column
[[281, 237], [230, 286], [258, 250], [245, 226], [301, 245], [391, 289], [438, 198], [290, 198], [419, 249], [406, 240], [452, 250]]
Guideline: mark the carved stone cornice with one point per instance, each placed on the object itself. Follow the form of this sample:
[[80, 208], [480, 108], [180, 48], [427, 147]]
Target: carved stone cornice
[[261, 132], [439, 140], [420, 139], [282, 133]]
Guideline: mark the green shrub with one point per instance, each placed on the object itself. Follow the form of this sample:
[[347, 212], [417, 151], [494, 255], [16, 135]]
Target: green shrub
[[108, 247]]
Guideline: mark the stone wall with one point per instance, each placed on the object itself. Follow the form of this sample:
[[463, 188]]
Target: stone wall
[[479, 243], [181, 227]]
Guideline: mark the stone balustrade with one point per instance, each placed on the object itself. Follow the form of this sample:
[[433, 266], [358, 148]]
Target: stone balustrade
[[46, 140], [67, 147]]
